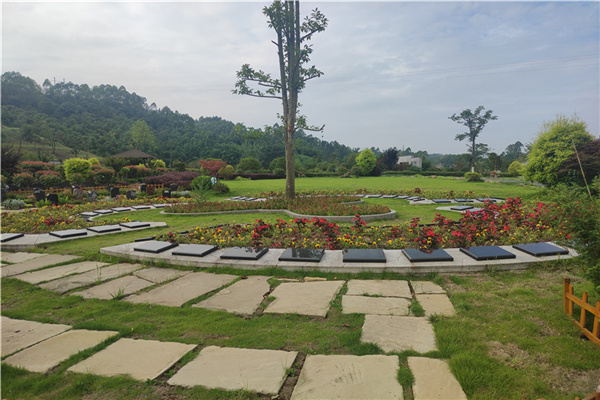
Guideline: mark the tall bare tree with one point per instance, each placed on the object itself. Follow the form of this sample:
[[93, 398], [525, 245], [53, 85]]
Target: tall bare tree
[[294, 53], [474, 121]]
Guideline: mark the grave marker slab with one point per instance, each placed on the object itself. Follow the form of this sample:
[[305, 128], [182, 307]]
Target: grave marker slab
[[394, 333], [375, 305], [262, 371], [463, 200], [103, 212], [158, 205], [50, 274], [140, 359], [135, 224], [391, 288], [364, 255], [308, 298], [69, 233], [436, 304], [388, 196], [243, 297], [154, 246], [442, 201], [114, 289], [48, 354], [67, 283], [304, 255], [434, 380], [417, 255], [36, 263], [52, 198], [461, 208], [121, 209], [7, 237], [114, 192], [141, 207], [159, 275], [194, 250], [104, 228], [88, 214], [541, 249], [481, 253], [244, 253], [130, 195], [18, 334], [19, 256], [426, 287]]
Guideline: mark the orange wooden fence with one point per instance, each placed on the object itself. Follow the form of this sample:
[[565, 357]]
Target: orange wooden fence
[[134, 186], [569, 299]]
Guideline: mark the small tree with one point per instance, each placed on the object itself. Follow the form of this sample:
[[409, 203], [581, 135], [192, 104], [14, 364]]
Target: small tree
[[475, 122], [515, 168], [249, 164], [366, 161], [142, 137], [77, 168], [389, 158], [10, 158]]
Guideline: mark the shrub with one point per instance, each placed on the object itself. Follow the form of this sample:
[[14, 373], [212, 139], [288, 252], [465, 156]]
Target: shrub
[[220, 188], [212, 166], [102, 176], [49, 178], [34, 166], [249, 164], [201, 183], [356, 170], [277, 163], [24, 179], [77, 179], [179, 166], [279, 171], [226, 173], [183, 178], [156, 163], [77, 166], [473, 177], [366, 161], [13, 204], [515, 168], [342, 170], [94, 161]]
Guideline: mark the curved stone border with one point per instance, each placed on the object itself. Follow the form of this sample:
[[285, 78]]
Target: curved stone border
[[333, 218]]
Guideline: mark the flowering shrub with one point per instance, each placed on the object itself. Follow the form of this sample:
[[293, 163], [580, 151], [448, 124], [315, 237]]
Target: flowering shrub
[[34, 166], [102, 176], [183, 178], [23, 179], [49, 178]]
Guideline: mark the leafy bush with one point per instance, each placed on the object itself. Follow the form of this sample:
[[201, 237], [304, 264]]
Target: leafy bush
[[77, 166], [226, 173], [356, 170], [49, 178], [77, 179], [220, 188], [182, 178], [515, 168], [201, 183], [102, 176], [256, 176], [94, 161], [279, 171], [179, 166], [366, 161], [13, 204], [342, 170], [24, 179], [156, 163], [249, 164], [473, 177], [34, 166]]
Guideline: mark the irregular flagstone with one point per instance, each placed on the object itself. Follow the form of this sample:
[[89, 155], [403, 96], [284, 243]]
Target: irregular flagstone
[[393, 333], [49, 353], [375, 305], [422, 287], [358, 287], [308, 298], [182, 290], [348, 377], [160, 275], [140, 359], [49, 274], [67, 283], [436, 304], [18, 334], [36, 263], [19, 257], [225, 368], [434, 380], [115, 289], [243, 297]]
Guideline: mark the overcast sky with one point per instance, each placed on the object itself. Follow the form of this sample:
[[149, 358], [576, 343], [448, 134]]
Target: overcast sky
[[393, 71]]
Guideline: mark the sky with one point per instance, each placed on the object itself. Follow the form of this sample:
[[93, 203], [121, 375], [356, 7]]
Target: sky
[[393, 71]]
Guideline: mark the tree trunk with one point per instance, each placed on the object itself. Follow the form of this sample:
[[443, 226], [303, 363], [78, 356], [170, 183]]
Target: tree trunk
[[473, 155]]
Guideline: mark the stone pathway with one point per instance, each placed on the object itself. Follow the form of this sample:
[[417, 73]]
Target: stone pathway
[[386, 304]]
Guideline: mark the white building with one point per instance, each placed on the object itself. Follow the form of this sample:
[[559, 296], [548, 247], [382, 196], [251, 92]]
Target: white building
[[411, 161]]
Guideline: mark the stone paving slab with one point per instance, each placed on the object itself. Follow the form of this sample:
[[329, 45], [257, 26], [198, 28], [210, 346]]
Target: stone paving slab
[[308, 298], [159, 275], [49, 274], [183, 289], [393, 333], [36, 263], [140, 359], [47, 354], [114, 289], [436, 304], [422, 287], [18, 334], [358, 287], [243, 297], [67, 283], [375, 305], [434, 380], [348, 377], [18, 257], [261, 371]]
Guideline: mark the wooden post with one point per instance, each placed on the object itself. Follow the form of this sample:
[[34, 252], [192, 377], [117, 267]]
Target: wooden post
[[596, 329], [582, 317], [566, 283]]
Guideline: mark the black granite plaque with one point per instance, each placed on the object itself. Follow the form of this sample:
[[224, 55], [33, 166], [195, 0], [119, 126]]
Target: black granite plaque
[[140, 207], [158, 205], [88, 214], [402, 197], [52, 198], [484, 199], [144, 239], [418, 199], [121, 209], [154, 247], [194, 250], [6, 237], [417, 255], [306, 255], [104, 228], [388, 196], [442, 201], [244, 253], [461, 208], [103, 211], [69, 233], [372, 196], [364, 255], [541, 249], [130, 194], [135, 224], [114, 192], [475, 210], [463, 200], [481, 253]]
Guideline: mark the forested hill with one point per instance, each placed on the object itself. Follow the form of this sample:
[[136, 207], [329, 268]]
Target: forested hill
[[98, 119]]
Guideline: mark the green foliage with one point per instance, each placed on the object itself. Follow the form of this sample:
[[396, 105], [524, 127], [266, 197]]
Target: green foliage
[[115, 163], [179, 166], [249, 164], [277, 163], [9, 158], [554, 144], [142, 137], [24, 179], [156, 163], [475, 122], [355, 170], [77, 166], [13, 204], [49, 178], [341, 171], [473, 177], [102, 176], [515, 168], [220, 188], [94, 161], [279, 171], [201, 183], [366, 161]]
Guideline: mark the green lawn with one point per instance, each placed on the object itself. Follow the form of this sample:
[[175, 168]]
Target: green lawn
[[508, 340]]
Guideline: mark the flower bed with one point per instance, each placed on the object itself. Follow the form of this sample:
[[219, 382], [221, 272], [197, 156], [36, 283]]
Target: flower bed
[[498, 224], [54, 218]]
